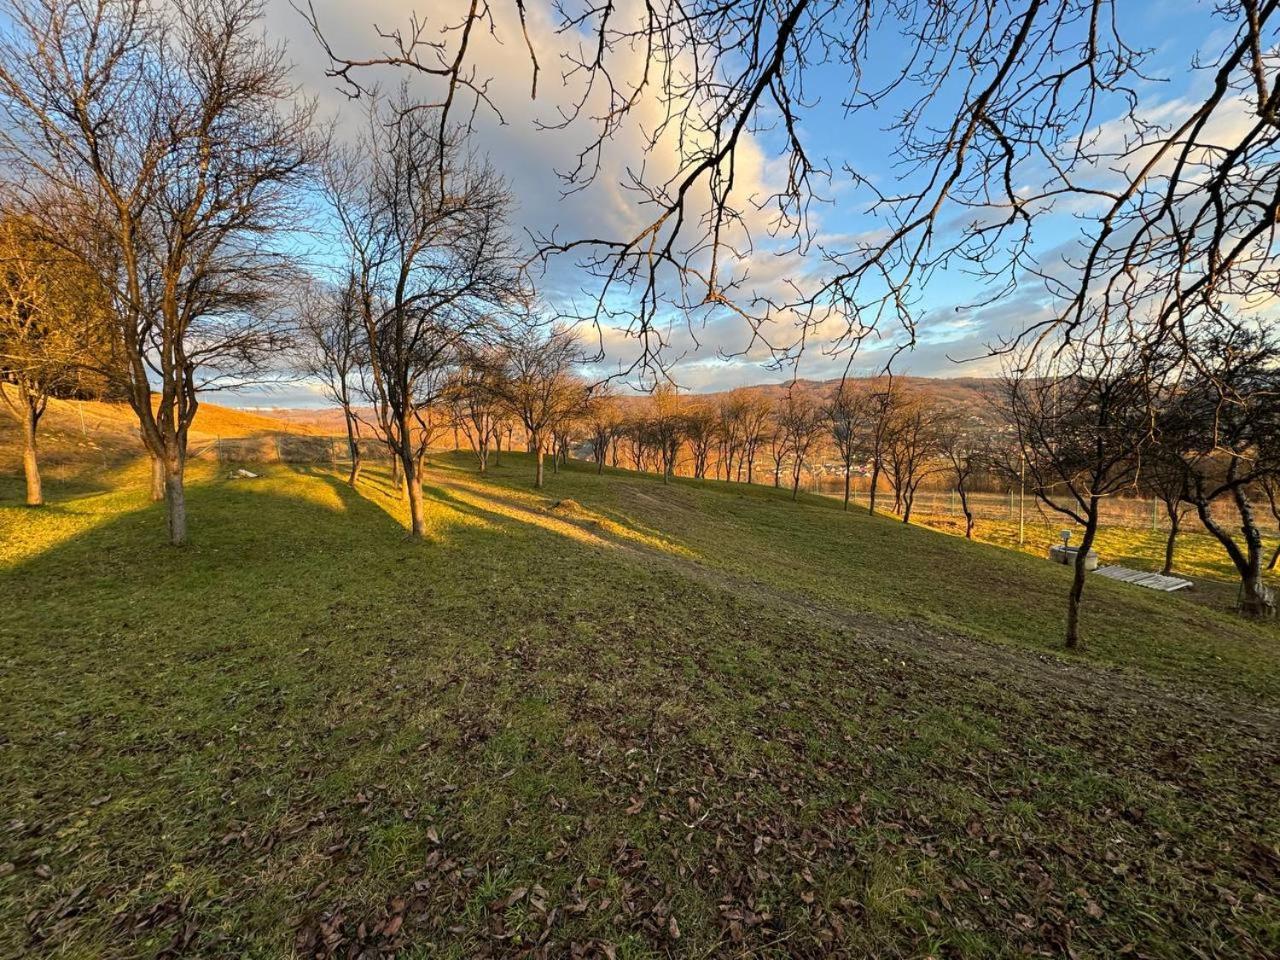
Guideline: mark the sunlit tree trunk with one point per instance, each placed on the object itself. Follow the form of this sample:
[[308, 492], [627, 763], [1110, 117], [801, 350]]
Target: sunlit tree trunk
[[535, 442], [175, 494], [157, 478], [30, 458], [353, 448]]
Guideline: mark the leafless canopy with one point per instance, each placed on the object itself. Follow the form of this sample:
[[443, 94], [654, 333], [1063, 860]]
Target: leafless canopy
[[1002, 113]]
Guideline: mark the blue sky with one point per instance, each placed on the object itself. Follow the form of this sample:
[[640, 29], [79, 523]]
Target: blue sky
[[529, 158]]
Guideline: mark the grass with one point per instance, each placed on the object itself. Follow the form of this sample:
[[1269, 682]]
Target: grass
[[80, 434], [1198, 556], [686, 720]]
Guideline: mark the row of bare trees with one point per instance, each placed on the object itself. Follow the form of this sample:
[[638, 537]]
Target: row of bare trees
[[1075, 439], [1125, 418]]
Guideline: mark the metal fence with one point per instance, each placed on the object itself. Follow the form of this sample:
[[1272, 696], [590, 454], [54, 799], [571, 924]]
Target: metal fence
[[1136, 513]]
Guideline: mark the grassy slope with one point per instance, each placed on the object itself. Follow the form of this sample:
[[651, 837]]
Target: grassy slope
[[688, 720], [76, 433]]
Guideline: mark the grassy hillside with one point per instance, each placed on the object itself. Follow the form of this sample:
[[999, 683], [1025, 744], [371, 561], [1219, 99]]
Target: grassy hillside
[[619, 718], [77, 436]]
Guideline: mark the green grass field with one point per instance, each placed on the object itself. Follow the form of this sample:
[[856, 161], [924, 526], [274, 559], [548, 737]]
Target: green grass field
[[615, 718]]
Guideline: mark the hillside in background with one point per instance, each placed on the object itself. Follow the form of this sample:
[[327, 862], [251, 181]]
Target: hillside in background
[[83, 433]]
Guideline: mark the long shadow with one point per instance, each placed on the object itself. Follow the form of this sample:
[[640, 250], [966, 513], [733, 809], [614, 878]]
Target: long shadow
[[508, 513]]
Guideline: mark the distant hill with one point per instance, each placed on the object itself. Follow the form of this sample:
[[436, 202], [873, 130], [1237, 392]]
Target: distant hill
[[962, 394]]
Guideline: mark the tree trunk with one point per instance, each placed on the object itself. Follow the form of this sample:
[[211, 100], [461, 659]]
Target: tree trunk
[[1274, 557], [1257, 600], [906, 500], [968, 514], [30, 460], [536, 442], [847, 471], [871, 491], [157, 478], [1077, 581], [353, 448], [417, 516], [397, 474], [1170, 543], [175, 497]]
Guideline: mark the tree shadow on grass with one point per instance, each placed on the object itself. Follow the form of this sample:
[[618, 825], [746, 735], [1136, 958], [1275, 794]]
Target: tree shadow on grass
[[180, 695], [504, 507]]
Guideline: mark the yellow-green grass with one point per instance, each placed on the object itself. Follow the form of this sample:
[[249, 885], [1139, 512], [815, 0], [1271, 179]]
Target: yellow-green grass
[[643, 719], [78, 438], [1197, 555]]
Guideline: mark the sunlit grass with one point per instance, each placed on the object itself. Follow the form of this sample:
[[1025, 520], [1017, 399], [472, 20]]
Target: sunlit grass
[[691, 698], [1196, 555]]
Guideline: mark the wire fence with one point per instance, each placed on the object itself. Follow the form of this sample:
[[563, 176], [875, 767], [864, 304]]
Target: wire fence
[[1135, 513]]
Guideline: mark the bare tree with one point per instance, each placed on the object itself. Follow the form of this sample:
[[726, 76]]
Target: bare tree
[[635, 431], [1165, 477], [1081, 431], [965, 451], [331, 344], [172, 139], [473, 394], [52, 325], [756, 419], [603, 418], [433, 261], [733, 412], [1222, 424], [536, 382], [847, 415], [800, 424], [913, 449], [884, 402], [666, 425], [701, 420]]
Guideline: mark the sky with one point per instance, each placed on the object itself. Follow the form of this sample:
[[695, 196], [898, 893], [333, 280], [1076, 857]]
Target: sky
[[711, 356]]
